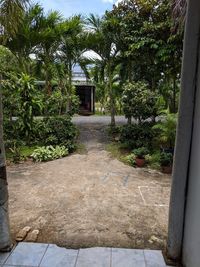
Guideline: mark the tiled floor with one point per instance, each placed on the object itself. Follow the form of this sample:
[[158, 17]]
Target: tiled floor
[[45, 255]]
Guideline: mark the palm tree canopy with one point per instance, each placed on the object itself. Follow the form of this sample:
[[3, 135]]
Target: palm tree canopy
[[11, 14], [179, 11]]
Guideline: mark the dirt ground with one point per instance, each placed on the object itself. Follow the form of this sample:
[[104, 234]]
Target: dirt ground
[[90, 199]]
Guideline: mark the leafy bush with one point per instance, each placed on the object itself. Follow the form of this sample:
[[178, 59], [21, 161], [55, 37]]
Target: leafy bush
[[74, 104], [135, 136], [15, 149], [130, 159], [29, 101], [166, 159], [55, 102], [49, 131], [141, 152], [60, 131], [49, 153], [166, 129], [138, 101]]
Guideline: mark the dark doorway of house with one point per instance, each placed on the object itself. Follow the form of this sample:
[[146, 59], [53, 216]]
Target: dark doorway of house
[[86, 95]]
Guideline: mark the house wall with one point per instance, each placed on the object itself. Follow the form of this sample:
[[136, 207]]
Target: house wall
[[184, 215], [191, 238]]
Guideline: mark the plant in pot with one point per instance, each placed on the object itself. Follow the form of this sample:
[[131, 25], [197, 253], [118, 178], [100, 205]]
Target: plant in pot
[[166, 162], [166, 131], [140, 154]]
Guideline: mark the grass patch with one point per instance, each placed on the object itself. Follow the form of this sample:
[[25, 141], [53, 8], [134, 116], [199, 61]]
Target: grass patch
[[25, 152], [123, 154], [118, 151], [80, 149]]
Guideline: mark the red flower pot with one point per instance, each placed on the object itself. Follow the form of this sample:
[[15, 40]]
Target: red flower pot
[[167, 169], [140, 162]]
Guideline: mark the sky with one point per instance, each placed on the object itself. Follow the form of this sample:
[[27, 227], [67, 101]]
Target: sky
[[71, 7]]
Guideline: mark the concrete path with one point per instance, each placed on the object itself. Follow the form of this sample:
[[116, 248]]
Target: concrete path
[[105, 120], [46, 255]]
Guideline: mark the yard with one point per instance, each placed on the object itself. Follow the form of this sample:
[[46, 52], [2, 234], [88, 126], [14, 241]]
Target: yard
[[79, 186], [90, 199]]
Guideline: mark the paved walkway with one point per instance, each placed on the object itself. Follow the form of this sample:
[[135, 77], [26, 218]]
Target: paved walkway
[[105, 120], [45, 255]]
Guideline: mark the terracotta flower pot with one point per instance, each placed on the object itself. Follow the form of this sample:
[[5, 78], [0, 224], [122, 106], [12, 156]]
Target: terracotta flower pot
[[140, 162], [167, 169]]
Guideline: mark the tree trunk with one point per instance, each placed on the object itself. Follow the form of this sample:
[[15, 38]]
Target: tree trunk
[[69, 91], [111, 95], [129, 121], [5, 240], [130, 77], [112, 113], [174, 95]]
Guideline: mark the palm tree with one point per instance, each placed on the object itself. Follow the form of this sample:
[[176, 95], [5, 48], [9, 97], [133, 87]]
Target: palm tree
[[71, 49], [49, 37], [101, 39], [11, 13]]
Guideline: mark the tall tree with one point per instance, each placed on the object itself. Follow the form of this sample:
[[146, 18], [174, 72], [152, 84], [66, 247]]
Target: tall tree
[[51, 28], [11, 13], [150, 47], [71, 48], [102, 40]]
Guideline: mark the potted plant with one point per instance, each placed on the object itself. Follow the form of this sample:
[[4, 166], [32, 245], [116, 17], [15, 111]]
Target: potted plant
[[166, 130], [140, 154], [166, 162]]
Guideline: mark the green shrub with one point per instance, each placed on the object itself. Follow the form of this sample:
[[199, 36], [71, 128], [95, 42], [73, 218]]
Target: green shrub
[[166, 129], [15, 149], [153, 160], [49, 153], [138, 101], [130, 159], [60, 131], [166, 159], [135, 136], [49, 131], [141, 152]]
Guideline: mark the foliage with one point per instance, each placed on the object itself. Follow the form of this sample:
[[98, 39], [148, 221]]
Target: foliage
[[28, 102], [11, 13], [149, 44], [136, 41], [45, 132], [74, 104], [166, 159], [16, 151], [49, 153], [166, 129], [11, 96], [135, 136], [153, 159], [140, 152], [138, 101], [130, 159], [101, 39], [56, 102], [57, 131]]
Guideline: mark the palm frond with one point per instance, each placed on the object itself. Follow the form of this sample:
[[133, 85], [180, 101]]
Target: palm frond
[[179, 12], [11, 15]]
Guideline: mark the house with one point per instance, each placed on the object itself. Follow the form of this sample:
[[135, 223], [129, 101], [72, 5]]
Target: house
[[84, 89], [86, 92]]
